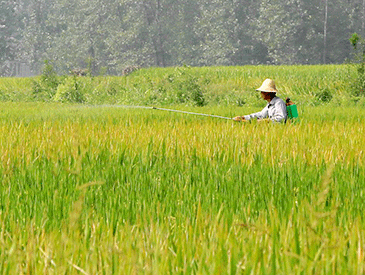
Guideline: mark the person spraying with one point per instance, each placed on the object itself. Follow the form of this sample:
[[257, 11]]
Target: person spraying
[[274, 111]]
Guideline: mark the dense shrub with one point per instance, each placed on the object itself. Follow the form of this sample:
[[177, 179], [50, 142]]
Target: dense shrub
[[70, 91], [44, 88], [358, 84], [233, 86], [324, 95]]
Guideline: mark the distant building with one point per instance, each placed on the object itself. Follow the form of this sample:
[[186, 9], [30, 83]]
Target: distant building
[[15, 69]]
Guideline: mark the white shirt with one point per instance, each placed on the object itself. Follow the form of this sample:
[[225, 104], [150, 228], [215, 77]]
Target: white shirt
[[274, 110]]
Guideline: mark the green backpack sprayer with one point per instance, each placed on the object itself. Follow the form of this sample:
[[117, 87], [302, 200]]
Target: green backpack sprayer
[[291, 109]]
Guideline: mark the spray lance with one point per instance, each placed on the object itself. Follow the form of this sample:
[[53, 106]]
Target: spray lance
[[164, 109], [190, 113], [291, 109]]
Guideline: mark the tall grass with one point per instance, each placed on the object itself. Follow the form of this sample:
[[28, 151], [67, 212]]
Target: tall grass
[[212, 86], [128, 191]]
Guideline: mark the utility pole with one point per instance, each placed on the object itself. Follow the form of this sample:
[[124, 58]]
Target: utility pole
[[363, 16], [325, 31]]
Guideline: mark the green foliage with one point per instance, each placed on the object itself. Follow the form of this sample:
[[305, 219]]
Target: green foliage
[[49, 75], [358, 87], [187, 87], [240, 102], [113, 34], [195, 86], [70, 91], [44, 88], [358, 84], [354, 39], [324, 95]]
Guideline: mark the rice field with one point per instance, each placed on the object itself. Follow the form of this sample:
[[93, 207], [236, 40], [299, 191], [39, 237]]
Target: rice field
[[92, 190]]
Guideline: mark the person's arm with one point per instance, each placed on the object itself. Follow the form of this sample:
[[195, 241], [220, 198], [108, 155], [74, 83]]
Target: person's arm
[[259, 115]]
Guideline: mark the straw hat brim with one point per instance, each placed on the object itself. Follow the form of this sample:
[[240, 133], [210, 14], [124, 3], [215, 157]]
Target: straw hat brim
[[266, 91], [267, 86]]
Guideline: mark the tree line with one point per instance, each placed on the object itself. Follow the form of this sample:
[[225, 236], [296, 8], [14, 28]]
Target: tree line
[[107, 36]]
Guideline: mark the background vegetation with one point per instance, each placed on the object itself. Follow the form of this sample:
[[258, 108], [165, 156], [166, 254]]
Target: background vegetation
[[191, 86], [108, 36]]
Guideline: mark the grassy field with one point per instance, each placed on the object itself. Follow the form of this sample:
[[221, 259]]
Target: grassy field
[[212, 86], [92, 190]]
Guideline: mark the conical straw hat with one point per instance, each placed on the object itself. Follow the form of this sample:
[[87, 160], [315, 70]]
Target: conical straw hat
[[268, 86]]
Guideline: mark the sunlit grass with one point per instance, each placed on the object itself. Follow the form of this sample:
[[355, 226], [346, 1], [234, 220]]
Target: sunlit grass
[[131, 191]]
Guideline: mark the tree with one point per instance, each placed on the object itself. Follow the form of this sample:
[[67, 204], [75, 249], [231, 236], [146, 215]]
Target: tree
[[151, 32], [248, 50], [81, 31], [37, 38], [338, 29], [10, 36], [111, 34], [289, 32]]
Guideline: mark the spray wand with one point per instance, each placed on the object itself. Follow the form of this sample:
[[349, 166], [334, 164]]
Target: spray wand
[[164, 109]]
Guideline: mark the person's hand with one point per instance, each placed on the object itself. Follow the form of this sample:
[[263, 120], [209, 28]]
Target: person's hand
[[239, 118]]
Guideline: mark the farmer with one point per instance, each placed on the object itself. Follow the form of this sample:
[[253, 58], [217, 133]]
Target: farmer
[[274, 111]]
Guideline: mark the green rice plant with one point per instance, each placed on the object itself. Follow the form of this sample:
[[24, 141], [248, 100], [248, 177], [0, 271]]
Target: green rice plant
[[129, 191], [15, 89]]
